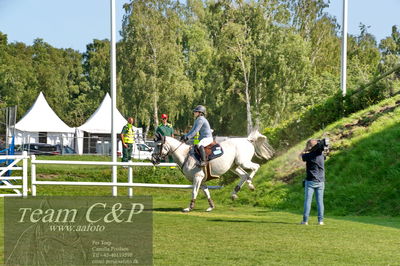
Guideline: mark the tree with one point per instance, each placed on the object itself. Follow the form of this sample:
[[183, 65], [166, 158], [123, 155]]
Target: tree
[[18, 80], [153, 69], [198, 53], [363, 58], [238, 43], [390, 48], [59, 75], [96, 64]]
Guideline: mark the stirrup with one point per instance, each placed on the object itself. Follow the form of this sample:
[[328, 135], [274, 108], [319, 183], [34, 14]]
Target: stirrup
[[201, 163]]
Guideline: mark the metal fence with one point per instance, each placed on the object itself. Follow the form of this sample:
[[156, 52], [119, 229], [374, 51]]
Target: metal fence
[[130, 184], [14, 183]]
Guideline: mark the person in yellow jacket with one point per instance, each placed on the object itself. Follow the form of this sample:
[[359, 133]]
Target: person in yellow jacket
[[196, 140], [128, 139]]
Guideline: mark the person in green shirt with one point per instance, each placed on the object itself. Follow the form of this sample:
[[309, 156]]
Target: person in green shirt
[[166, 129], [128, 139]]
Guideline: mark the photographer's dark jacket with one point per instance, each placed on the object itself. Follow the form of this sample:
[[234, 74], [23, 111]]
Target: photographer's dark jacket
[[315, 163]]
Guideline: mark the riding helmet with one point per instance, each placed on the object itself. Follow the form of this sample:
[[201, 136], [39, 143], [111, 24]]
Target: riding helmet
[[200, 108]]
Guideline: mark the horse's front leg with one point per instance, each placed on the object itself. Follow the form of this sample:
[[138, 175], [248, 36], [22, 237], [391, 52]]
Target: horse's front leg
[[195, 191], [208, 195], [253, 167]]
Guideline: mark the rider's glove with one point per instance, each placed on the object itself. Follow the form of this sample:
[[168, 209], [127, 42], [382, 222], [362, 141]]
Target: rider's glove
[[184, 138]]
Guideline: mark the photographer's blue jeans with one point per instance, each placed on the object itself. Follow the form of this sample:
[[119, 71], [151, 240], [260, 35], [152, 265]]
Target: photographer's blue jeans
[[309, 188]]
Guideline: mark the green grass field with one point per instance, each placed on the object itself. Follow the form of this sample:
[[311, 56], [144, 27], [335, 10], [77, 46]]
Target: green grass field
[[254, 236], [257, 236]]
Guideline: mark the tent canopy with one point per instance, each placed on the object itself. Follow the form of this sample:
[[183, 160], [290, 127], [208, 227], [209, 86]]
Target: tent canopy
[[100, 121], [41, 118]]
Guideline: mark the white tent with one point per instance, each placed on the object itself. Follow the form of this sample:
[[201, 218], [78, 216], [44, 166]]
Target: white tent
[[100, 123], [40, 118]]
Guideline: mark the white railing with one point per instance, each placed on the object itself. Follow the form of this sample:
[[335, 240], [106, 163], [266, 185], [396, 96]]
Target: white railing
[[7, 181], [130, 183]]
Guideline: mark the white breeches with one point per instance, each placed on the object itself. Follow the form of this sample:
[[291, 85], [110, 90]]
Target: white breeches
[[206, 141]]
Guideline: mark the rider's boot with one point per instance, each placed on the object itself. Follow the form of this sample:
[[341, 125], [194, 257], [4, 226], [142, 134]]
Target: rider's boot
[[203, 159]]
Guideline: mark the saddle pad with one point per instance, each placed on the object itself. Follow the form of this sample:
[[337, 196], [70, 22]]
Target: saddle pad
[[212, 153], [216, 151]]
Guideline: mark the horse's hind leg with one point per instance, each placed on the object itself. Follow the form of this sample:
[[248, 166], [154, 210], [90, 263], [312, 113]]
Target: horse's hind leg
[[208, 195], [243, 177]]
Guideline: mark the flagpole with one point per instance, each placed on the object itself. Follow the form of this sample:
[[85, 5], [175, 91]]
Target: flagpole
[[343, 79], [113, 75]]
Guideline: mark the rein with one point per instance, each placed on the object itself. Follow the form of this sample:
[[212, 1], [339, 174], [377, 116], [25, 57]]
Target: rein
[[160, 155], [177, 148]]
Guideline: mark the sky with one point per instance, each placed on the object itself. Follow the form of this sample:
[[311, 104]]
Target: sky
[[379, 15], [75, 23], [61, 23]]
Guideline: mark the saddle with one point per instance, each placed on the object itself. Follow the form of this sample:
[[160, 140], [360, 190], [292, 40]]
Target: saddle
[[213, 151]]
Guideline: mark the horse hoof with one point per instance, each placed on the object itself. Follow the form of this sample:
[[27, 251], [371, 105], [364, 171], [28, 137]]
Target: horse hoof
[[186, 210], [234, 197], [209, 209], [252, 187]]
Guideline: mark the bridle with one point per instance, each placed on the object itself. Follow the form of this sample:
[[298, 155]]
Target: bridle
[[161, 146], [160, 155]]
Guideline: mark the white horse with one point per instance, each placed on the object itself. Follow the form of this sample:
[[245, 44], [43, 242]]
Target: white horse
[[237, 156]]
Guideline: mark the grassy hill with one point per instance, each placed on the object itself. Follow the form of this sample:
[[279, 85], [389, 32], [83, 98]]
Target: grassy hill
[[362, 169]]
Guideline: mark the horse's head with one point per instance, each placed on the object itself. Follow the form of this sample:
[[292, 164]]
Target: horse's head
[[161, 150]]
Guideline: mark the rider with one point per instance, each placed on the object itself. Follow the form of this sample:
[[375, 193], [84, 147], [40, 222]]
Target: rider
[[202, 127]]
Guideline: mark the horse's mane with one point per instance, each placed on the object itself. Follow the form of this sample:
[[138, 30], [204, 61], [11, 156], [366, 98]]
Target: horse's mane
[[260, 142]]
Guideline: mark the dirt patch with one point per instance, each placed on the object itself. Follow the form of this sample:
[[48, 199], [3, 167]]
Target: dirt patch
[[366, 121], [47, 176], [289, 179]]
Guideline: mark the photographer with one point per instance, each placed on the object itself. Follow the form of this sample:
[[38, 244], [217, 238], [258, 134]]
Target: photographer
[[314, 157]]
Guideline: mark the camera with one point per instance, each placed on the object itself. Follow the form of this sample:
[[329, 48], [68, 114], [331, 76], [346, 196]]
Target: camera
[[324, 142], [321, 144]]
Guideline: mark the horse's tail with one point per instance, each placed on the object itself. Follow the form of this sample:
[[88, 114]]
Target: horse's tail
[[262, 148]]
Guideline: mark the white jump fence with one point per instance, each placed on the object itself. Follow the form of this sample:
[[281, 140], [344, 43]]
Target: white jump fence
[[6, 182], [130, 184]]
